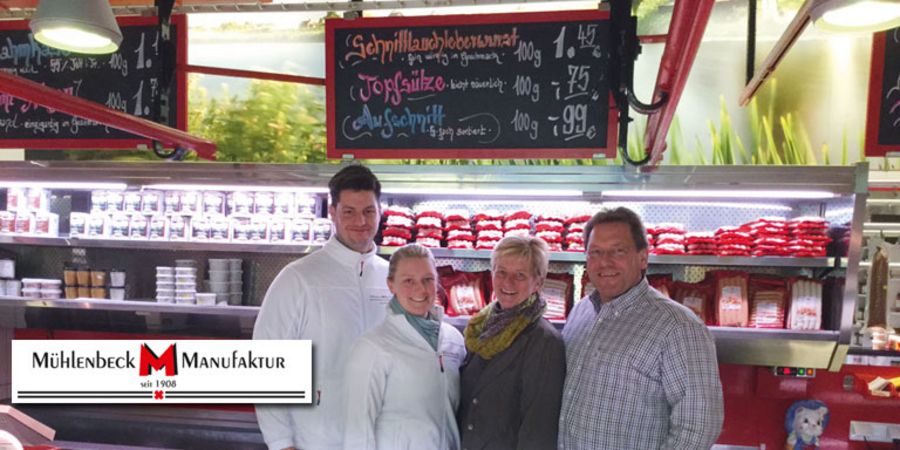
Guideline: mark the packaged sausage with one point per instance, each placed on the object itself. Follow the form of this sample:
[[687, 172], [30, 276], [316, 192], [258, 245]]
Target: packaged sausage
[[464, 291], [661, 282], [732, 299], [805, 305], [695, 296], [557, 292], [768, 301]]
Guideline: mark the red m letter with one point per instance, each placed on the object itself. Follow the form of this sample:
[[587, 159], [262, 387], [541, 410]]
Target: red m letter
[[150, 360]]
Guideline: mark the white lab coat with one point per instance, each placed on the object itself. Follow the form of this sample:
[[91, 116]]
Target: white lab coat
[[332, 297], [400, 393]]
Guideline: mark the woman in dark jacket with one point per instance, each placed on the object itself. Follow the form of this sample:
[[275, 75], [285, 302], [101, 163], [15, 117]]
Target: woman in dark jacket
[[512, 379]]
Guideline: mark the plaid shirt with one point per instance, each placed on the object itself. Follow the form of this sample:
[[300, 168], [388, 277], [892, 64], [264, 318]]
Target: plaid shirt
[[641, 373]]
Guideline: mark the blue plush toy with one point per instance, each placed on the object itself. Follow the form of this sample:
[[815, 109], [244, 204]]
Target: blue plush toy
[[805, 421]]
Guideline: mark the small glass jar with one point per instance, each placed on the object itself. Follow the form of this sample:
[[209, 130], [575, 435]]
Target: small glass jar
[[83, 276], [98, 278], [70, 275], [265, 203], [132, 202], [321, 230]]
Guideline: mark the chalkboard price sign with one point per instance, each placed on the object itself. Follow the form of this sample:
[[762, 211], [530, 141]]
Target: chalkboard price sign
[[128, 80], [883, 121], [476, 86]]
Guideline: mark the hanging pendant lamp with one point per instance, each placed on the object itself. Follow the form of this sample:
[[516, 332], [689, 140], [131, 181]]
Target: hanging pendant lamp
[[82, 26], [855, 15]]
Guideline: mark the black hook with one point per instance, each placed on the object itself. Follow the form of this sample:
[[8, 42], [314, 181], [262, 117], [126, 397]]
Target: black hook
[[177, 154], [645, 108]]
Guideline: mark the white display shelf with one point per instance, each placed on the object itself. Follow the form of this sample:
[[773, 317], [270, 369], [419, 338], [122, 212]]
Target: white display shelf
[[146, 244], [138, 306], [266, 247]]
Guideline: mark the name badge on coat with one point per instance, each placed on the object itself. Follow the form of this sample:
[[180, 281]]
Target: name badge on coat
[[380, 296]]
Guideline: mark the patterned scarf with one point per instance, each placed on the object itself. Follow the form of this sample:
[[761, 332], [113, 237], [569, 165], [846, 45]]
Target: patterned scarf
[[493, 329]]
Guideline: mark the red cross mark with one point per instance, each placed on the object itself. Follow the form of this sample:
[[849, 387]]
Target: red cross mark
[[158, 395]]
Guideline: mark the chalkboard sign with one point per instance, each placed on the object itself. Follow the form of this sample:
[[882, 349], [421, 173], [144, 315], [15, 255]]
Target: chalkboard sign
[[474, 86], [883, 121], [127, 80]]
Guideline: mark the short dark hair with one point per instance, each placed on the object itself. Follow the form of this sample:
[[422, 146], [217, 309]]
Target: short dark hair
[[354, 177], [619, 215]]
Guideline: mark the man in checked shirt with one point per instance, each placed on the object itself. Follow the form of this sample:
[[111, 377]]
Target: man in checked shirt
[[641, 368]]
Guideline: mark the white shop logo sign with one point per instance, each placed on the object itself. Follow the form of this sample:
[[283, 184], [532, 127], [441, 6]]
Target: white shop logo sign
[[162, 371]]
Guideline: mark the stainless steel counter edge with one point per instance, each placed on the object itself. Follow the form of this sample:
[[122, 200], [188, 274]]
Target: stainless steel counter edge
[[138, 306]]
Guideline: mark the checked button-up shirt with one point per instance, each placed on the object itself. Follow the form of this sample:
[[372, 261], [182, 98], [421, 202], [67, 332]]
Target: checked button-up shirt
[[641, 373]]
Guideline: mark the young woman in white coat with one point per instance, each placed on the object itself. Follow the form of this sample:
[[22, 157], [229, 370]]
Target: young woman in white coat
[[402, 385]]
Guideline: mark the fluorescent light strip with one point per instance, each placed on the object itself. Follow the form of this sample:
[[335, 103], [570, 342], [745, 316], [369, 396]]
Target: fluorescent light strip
[[62, 185], [735, 194], [233, 187], [486, 192], [881, 225], [883, 201], [710, 204]]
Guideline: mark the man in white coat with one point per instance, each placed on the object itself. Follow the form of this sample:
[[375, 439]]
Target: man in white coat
[[331, 297]]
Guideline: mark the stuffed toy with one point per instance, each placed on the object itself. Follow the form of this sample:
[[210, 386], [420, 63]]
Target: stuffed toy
[[805, 421]]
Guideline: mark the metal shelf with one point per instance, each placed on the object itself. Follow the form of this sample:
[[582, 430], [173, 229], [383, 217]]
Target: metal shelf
[[224, 246], [138, 306], [214, 246], [685, 260]]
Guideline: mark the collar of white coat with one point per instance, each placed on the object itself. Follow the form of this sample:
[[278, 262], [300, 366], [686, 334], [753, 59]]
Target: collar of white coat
[[437, 310], [345, 255], [399, 322]]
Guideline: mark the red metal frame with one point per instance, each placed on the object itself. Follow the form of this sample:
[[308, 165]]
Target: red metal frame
[[689, 19], [52, 98], [873, 116], [475, 19]]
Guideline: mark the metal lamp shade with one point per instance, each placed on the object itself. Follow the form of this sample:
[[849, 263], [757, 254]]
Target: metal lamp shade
[[855, 15], [83, 26]]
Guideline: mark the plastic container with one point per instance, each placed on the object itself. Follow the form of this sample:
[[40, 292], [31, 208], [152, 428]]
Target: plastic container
[[185, 271], [186, 263], [185, 279], [235, 276], [186, 286], [51, 284], [117, 293], [31, 283], [235, 286], [12, 288], [235, 298], [31, 293], [235, 264], [166, 279], [219, 276], [51, 294], [84, 292], [165, 270], [165, 298], [165, 292], [7, 268], [219, 264], [117, 278], [219, 288], [98, 292], [205, 298], [71, 292]]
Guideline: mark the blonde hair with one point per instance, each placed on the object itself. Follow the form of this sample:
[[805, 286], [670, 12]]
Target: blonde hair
[[406, 252], [532, 249]]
